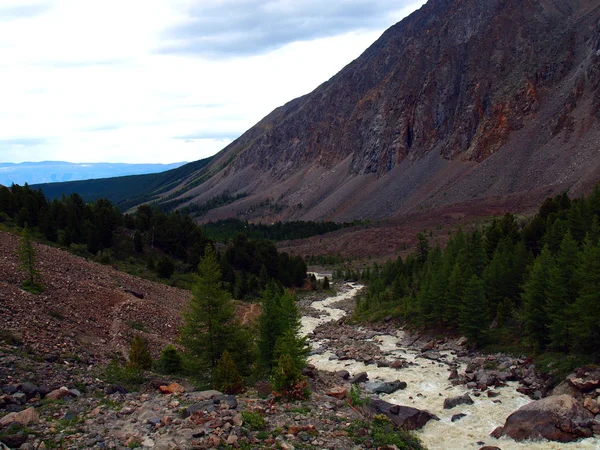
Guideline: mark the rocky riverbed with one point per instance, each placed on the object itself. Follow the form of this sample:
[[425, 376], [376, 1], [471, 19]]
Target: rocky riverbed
[[452, 398], [471, 395]]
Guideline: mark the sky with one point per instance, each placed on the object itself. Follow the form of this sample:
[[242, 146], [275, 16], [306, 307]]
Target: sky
[[161, 81]]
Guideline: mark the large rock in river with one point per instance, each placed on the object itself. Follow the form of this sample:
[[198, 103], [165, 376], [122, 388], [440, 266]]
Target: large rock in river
[[559, 418], [402, 416]]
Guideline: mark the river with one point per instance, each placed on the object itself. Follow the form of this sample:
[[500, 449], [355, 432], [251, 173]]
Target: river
[[427, 388]]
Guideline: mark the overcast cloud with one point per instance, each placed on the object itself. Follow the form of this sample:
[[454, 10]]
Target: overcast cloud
[[163, 80]]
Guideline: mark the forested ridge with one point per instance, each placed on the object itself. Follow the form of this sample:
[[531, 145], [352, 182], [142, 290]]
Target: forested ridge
[[534, 285], [167, 244]]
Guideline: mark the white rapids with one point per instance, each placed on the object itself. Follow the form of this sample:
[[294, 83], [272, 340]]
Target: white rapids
[[427, 388]]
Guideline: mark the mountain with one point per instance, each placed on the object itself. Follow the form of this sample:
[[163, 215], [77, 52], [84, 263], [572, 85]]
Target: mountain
[[463, 104], [125, 191], [60, 171]]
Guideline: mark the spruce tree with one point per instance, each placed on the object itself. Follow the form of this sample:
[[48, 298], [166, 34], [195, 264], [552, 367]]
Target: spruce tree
[[585, 323], [140, 358], [474, 311], [210, 325], [27, 257], [534, 300]]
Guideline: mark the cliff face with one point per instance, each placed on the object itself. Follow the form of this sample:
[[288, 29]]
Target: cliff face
[[462, 100]]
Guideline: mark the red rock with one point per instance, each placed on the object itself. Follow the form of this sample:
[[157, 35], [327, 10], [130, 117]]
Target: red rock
[[338, 392], [57, 394]]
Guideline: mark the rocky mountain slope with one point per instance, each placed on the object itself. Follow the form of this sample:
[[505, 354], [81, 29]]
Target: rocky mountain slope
[[85, 311], [461, 103]]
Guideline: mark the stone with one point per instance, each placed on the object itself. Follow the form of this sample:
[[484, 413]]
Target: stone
[[338, 392], [457, 417], [591, 405], [229, 400], [204, 395], [172, 388], [206, 405], [429, 346], [29, 389], [343, 374], [19, 397], [359, 377], [461, 341], [402, 416], [585, 381], [14, 439], [24, 418], [560, 418], [452, 402], [148, 442], [453, 374], [490, 447], [397, 364], [385, 387], [57, 394]]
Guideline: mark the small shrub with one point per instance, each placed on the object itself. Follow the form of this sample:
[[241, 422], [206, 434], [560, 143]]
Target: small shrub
[[9, 338], [32, 288], [126, 376], [356, 396], [254, 420], [170, 361], [227, 377], [140, 358], [165, 267]]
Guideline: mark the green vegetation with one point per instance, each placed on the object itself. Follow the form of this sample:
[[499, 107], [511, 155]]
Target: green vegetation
[[170, 361], [223, 230], [382, 433], [282, 353], [140, 358], [27, 257], [534, 287], [254, 420], [210, 326], [356, 396], [148, 243]]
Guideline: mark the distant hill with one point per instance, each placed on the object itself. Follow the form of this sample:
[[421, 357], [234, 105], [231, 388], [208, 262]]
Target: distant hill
[[125, 191], [59, 171]]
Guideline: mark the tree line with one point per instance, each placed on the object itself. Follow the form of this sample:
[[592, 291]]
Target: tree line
[[167, 241], [535, 284]]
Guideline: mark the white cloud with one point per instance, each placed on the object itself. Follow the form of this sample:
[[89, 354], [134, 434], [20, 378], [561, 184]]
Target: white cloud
[[82, 81]]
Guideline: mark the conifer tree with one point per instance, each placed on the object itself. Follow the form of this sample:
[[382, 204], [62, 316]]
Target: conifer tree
[[534, 299], [140, 358], [27, 257], [585, 323], [474, 311], [210, 325], [454, 296], [138, 246]]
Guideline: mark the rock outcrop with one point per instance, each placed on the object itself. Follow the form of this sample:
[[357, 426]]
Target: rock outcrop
[[557, 418]]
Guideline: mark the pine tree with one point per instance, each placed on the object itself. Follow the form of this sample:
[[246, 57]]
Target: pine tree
[[140, 358], [454, 296], [534, 299], [26, 254], [474, 311], [210, 325], [585, 323]]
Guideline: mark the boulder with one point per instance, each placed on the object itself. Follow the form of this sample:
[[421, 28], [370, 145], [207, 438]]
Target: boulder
[[457, 417], [343, 374], [359, 377], [26, 417], [585, 381], [402, 416], [560, 418], [385, 387], [452, 402]]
